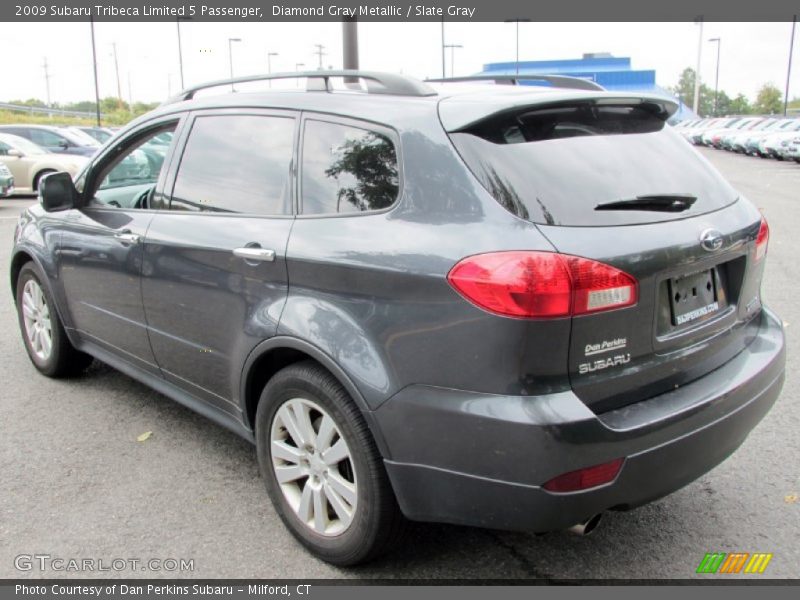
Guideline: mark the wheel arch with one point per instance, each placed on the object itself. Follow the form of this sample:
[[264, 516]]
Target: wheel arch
[[278, 352]]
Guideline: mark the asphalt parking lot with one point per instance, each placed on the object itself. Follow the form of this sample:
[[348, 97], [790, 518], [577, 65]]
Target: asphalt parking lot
[[78, 484]]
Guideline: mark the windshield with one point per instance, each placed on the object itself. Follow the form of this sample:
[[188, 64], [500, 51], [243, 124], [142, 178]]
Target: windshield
[[21, 144], [79, 137], [555, 166]]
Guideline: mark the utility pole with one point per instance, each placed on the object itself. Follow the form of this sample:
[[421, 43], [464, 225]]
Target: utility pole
[[116, 68], [696, 104], [517, 22], [320, 53], [130, 94], [453, 57], [46, 80], [350, 48], [94, 64], [789, 69], [269, 64]]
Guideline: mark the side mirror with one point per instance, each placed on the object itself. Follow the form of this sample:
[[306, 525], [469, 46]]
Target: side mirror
[[64, 144], [57, 192], [15, 152]]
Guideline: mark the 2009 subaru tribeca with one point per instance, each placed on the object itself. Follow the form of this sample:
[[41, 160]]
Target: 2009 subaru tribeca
[[505, 306]]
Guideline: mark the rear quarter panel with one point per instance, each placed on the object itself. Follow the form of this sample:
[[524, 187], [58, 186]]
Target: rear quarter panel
[[370, 290]]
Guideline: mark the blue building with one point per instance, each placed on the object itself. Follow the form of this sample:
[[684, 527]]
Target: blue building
[[613, 73]]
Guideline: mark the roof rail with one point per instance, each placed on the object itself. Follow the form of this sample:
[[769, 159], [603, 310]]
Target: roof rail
[[562, 81], [377, 83]]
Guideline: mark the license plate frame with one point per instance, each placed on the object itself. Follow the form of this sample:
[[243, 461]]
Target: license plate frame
[[694, 297]]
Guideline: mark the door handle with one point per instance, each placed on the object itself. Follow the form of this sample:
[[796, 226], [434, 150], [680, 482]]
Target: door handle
[[127, 237], [252, 253]]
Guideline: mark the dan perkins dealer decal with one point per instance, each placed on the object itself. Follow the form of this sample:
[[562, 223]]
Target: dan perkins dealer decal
[[606, 361]]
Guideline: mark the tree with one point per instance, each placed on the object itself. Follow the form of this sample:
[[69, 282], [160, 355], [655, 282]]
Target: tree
[[369, 165], [685, 91], [739, 106], [769, 100], [723, 103]]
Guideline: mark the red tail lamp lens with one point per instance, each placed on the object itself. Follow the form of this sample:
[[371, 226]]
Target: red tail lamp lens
[[531, 284], [762, 239]]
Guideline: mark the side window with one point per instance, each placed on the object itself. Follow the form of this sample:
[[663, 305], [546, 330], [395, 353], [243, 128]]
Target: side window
[[347, 169], [236, 164], [4, 148], [129, 179], [45, 138]]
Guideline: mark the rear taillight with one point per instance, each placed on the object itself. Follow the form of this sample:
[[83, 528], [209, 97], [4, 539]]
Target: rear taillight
[[584, 479], [762, 239], [538, 285]]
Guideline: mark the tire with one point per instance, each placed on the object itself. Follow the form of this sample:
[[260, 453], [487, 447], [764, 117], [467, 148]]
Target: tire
[[375, 524], [53, 354], [39, 176]]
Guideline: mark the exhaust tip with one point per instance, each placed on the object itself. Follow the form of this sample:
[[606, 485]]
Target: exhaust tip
[[586, 527]]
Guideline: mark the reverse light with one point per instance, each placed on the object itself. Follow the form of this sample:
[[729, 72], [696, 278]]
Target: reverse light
[[762, 239], [584, 479], [540, 285]]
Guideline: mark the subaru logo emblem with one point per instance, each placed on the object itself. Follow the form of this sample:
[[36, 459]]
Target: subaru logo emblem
[[711, 240]]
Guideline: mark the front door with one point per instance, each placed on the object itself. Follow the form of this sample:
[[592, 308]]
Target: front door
[[214, 273], [100, 253]]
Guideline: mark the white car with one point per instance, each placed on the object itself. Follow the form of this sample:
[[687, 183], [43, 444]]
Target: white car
[[28, 162]]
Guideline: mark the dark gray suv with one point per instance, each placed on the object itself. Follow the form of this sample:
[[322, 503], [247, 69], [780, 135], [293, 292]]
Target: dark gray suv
[[506, 306]]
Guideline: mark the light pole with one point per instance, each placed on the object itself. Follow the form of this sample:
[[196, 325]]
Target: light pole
[[453, 57], [94, 64], [789, 68], [716, 78], [269, 64], [180, 47], [696, 104], [297, 68], [230, 56]]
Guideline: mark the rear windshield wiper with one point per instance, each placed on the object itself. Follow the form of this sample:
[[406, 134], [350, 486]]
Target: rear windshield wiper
[[656, 202]]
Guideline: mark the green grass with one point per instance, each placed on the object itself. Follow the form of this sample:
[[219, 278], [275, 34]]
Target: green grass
[[113, 119]]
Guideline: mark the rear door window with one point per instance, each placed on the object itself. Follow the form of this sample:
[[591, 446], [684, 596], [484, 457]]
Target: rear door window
[[236, 164], [347, 169]]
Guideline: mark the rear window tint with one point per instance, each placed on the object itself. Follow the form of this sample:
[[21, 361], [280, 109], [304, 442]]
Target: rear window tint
[[347, 169], [555, 165]]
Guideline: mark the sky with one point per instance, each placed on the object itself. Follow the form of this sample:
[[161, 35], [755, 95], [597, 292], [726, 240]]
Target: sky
[[147, 53]]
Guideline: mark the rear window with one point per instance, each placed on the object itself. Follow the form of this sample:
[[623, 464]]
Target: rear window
[[555, 165]]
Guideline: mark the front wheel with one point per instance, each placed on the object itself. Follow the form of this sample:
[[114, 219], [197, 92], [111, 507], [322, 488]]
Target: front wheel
[[42, 332], [322, 469]]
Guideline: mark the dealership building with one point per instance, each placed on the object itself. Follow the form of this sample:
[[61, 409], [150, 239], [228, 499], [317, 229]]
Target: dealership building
[[612, 72]]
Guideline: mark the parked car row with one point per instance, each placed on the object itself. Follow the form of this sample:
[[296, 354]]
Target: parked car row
[[767, 137], [29, 152]]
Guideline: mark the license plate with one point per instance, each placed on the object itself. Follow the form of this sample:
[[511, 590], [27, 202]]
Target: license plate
[[693, 297]]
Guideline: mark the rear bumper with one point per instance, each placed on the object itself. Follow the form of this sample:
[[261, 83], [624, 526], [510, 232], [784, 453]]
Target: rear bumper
[[479, 459]]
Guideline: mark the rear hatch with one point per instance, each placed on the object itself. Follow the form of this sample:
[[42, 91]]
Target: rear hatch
[[605, 179]]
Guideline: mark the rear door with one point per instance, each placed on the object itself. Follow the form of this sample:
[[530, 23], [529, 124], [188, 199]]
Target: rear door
[[214, 270], [611, 183]]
